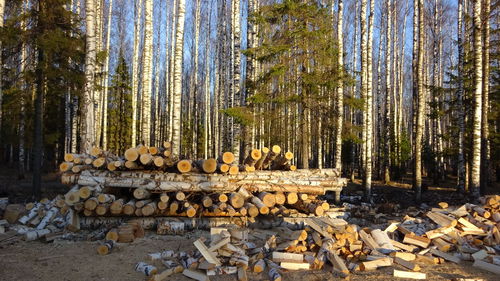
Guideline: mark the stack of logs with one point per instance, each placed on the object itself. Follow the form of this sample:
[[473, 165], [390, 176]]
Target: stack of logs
[[467, 233], [162, 159], [149, 181]]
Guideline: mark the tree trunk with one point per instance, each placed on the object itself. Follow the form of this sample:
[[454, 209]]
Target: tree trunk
[[485, 145], [135, 68], [2, 10], [87, 133], [236, 78], [106, 80], [387, 117], [177, 90], [478, 81], [420, 105], [147, 74], [340, 90]]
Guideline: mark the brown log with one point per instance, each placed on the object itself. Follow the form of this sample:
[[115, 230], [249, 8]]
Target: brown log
[[140, 193], [70, 157], [86, 191], [65, 166], [79, 168], [174, 207], [142, 149], [184, 166], [149, 209], [112, 235], [268, 199], [180, 196], [153, 150], [227, 158], [146, 159], [236, 200], [263, 209], [102, 209], [275, 151], [96, 151], [111, 166], [208, 166], [292, 198], [253, 157], [234, 170], [131, 154], [99, 162], [264, 151], [280, 161], [129, 208], [162, 205], [116, 207], [280, 198], [91, 204], [105, 198], [207, 201], [142, 203], [131, 165], [223, 168], [309, 206], [252, 210], [105, 248], [158, 161], [88, 161], [190, 209]]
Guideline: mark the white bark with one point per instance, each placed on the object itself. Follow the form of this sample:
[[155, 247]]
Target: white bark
[[485, 145], [106, 80], [147, 74], [87, 133], [387, 117], [135, 69], [236, 79], [177, 90], [340, 90], [420, 106], [478, 82]]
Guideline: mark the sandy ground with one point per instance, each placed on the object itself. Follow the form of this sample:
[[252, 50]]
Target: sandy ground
[[67, 260]]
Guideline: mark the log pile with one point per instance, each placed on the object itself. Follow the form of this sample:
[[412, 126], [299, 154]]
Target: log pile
[[149, 181], [467, 233]]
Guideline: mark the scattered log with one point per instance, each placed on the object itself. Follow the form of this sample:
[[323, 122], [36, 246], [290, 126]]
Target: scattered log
[[106, 247], [409, 274], [145, 268]]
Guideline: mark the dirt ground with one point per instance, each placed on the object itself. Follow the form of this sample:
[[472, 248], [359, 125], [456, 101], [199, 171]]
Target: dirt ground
[[65, 260]]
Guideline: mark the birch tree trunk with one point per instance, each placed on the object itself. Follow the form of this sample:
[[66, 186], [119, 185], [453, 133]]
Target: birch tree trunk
[[106, 79], [369, 103], [135, 68], [24, 88], [87, 133], [147, 74], [485, 145], [340, 89], [478, 81], [98, 93], [387, 117], [177, 91], [460, 94], [420, 104], [364, 84], [236, 78]]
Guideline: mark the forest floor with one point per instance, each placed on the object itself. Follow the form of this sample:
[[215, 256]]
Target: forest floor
[[69, 260]]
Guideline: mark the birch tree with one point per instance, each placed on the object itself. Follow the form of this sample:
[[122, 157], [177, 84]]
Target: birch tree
[[236, 78], [340, 90], [177, 90], [478, 88], [387, 117], [2, 10], [420, 99], [147, 74], [87, 133], [460, 94], [485, 145], [135, 68], [106, 79]]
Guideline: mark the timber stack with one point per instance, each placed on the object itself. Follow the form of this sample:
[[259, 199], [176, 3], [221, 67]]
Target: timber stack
[[440, 235], [150, 181]]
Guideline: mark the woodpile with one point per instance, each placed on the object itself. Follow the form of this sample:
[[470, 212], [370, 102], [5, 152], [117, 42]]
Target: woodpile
[[150, 181], [467, 233]]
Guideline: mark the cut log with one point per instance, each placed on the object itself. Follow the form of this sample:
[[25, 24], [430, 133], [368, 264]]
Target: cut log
[[259, 266], [129, 208], [264, 151], [208, 166], [184, 166], [253, 157], [287, 257], [236, 200], [106, 247], [207, 201], [268, 199], [96, 151], [35, 234], [149, 209], [112, 235], [223, 168], [234, 170], [102, 209], [263, 209], [79, 168], [180, 196], [291, 198], [280, 198], [227, 157], [146, 159], [374, 264], [131, 165], [295, 265], [105, 198], [407, 264], [91, 204], [99, 162], [116, 207], [242, 274], [65, 166], [487, 266], [141, 193], [409, 274], [337, 262], [163, 276], [275, 151], [383, 241], [252, 210], [445, 256], [162, 205], [195, 274], [145, 268], [206, 253], [158, 161], [417, 240], [86, 191]]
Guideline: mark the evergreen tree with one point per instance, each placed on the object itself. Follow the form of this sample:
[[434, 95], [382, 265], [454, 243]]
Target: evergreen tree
[[120, 109]]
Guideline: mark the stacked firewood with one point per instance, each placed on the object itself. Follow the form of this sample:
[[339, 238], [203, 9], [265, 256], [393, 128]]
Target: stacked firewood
[[467, 233], [162, 159]]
